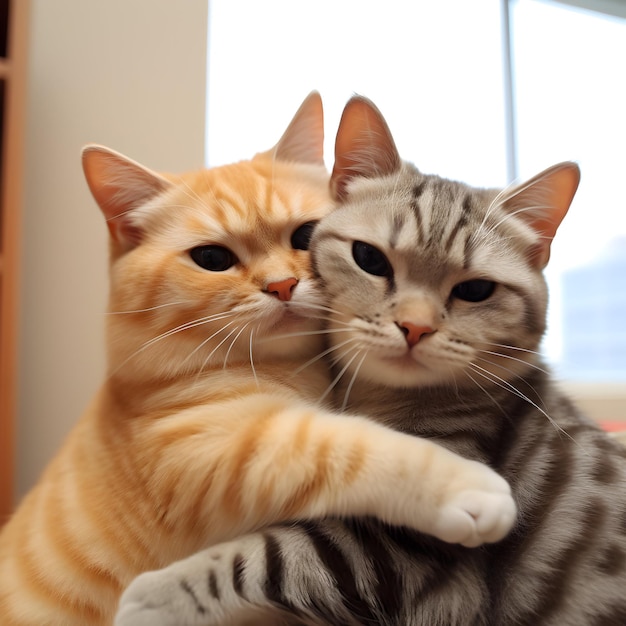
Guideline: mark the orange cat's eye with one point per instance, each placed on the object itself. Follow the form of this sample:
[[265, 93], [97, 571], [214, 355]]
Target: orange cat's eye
[[213, 258], [301, 237]]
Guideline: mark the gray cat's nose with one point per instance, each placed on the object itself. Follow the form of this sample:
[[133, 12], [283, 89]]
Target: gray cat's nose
[[414, 333]]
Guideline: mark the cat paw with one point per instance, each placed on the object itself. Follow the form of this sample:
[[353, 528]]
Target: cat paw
[[481, 511], [155, 599]]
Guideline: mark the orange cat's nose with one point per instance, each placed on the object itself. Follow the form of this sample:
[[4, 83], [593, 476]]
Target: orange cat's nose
[[413, 333], [282, 289]]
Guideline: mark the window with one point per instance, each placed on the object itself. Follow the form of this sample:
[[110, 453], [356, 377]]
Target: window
[[484, 92], [570, 103]]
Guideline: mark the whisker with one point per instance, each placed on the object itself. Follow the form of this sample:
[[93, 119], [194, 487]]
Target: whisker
[[190, 192], [503, 345], [488, 395], [495, 203], [512, 214], [337, 378], [500, 382], [320, 307], [220, 344], [334, 314], [511, 372], [205, 341], [169, 333], [252, 360], [304, 333], [233, 343], [512, 358], [187, 325], [151, 308], [355, 374], [321, 355]]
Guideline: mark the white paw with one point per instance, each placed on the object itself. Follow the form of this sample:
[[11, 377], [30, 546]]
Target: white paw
[[152, 599], [481, 511]]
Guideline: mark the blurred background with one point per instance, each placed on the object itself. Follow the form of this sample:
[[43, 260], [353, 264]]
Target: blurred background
[[487, 92]]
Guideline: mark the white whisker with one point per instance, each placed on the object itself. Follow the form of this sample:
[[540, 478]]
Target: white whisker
[[220, 344], [151, 308], [512, 358], [190, 192], [355, 374], [503, 345], [512, 214], [186, 326], [233, 343], [488, 395], [205, 341], [321, 307], [303, 333], [252, 360], [337, 378], [495, 204], [321, 355], [500, 382]]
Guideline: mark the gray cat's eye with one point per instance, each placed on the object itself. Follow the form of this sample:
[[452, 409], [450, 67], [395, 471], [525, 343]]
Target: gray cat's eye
[[474, 290], [213, 258], [371, 260]]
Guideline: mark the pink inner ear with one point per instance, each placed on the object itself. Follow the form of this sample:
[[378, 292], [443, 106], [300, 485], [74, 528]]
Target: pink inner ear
[[539, 254], [542, 203], [119, 185], [124, 233], [363, 146]]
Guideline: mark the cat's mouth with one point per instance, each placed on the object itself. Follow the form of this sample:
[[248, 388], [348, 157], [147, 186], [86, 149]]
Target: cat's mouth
[[405, 360], [287, 317]]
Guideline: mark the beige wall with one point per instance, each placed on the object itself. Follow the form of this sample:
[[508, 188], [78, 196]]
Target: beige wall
[[129, 74]]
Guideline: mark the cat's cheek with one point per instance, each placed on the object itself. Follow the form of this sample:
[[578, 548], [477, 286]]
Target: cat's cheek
[[292, 336]]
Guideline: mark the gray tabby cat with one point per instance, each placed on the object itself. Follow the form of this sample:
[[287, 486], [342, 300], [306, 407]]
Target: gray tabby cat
[[438, 305]]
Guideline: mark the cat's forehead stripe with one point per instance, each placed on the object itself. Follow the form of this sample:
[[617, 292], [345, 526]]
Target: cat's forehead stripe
[[418, 190], [396, 228], [223, 209], [461, 222]]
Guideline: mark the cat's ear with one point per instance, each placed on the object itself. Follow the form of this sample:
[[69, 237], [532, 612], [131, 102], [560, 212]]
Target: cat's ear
[[363, 147], [120, 185], [303, 141], [542, 202]]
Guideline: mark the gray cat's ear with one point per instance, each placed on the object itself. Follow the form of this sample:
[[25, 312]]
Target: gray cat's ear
[[542, 203], [120, 185], [363, 147], [303, 141]]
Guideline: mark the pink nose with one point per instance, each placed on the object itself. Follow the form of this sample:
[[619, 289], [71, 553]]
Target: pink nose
[[413, 333], [282, 289]]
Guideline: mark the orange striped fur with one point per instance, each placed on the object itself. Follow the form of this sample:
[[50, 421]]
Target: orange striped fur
[[205, 427]]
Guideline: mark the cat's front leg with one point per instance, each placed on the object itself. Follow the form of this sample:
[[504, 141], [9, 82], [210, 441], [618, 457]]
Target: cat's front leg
[[278, 460], [270, 578], [224, 585]]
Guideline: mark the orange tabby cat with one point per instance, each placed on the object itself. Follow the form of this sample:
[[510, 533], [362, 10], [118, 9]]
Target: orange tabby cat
[[208, 425]]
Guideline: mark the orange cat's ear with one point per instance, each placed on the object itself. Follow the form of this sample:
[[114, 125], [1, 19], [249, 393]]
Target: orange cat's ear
[[542, 203], [303, 141], [120, 185], [363, 147]]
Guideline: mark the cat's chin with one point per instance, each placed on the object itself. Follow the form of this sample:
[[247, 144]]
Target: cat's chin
[[401, 372]]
